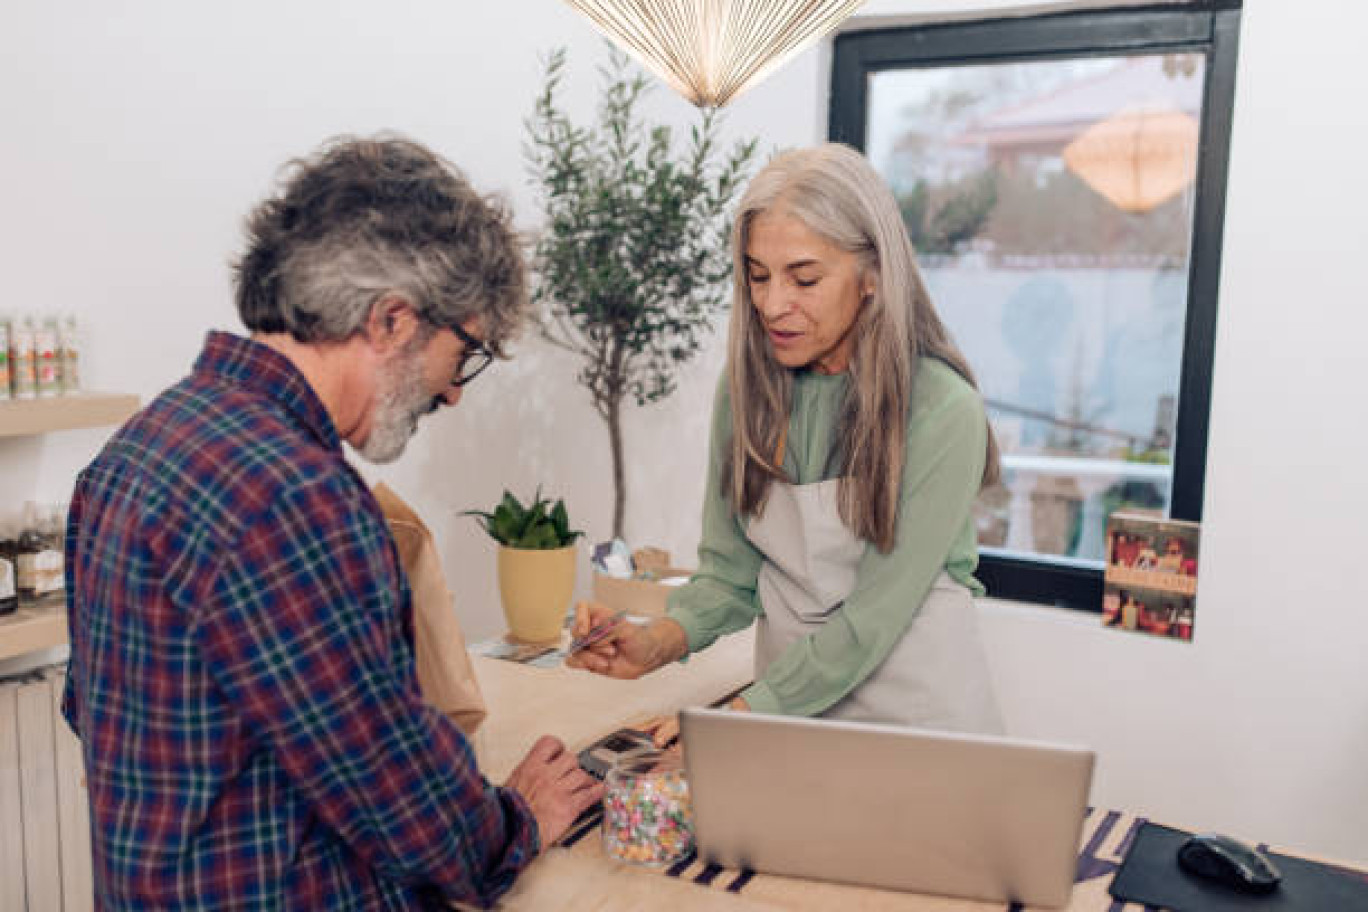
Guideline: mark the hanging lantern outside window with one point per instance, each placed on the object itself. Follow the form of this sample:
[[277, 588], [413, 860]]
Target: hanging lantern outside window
[[1138, 158]]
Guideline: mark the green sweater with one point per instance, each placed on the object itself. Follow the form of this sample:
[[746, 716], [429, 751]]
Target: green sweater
[[946, 438]]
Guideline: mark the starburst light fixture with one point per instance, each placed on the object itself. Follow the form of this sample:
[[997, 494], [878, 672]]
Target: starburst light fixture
[[710, 51]]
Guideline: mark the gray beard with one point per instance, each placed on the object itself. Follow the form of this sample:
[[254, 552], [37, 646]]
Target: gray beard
[[403, 400]]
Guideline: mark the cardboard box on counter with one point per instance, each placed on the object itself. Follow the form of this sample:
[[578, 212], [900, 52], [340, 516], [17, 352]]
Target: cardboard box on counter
[[644, 597]]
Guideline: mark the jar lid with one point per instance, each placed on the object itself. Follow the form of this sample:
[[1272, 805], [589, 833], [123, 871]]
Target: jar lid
[[647, 761]]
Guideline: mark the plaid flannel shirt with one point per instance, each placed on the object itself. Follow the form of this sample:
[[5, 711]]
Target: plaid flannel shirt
[[242, 672]]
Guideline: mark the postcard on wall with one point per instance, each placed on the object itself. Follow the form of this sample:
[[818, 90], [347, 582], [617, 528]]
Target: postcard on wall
[[1150, 584]]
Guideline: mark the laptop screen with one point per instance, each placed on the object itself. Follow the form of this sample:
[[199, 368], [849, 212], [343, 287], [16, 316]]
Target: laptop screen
[[973, 816]]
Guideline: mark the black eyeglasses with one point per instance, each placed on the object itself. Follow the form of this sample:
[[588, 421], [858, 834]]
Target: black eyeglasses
[[474, 360]]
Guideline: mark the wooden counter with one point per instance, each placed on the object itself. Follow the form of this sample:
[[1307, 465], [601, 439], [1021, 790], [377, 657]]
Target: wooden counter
[[526, 702]]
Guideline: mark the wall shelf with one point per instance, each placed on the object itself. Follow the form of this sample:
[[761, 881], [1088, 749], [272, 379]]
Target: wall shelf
[[41, 627], [19, 417], [31, 629]]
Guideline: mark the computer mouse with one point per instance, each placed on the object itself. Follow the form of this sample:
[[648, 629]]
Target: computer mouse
[[1229, 862]]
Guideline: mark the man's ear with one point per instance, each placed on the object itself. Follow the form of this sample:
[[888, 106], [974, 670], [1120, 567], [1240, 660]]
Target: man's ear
[[392, 322]]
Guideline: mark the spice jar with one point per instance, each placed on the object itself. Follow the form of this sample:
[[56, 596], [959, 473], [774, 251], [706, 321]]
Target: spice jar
[[9, 574], [647, 815], [39, 561]]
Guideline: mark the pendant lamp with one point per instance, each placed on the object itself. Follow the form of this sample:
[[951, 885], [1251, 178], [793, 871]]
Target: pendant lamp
[[1139, 157], [710, 51]]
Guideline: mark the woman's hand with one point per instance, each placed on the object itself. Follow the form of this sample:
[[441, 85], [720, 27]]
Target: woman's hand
[[665, 729], [662, 729], [628, 650]]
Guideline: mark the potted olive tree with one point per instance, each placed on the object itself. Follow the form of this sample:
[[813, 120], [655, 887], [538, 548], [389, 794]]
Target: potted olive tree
[[536, 564], [633, 261]]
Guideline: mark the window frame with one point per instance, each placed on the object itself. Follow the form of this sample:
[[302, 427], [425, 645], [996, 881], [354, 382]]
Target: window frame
[[1210, 28]]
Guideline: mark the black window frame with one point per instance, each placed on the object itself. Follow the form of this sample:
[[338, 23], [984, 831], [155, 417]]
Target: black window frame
[[1210, 28]]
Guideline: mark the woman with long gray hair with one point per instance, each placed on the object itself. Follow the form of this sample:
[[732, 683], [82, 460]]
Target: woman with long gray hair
[[848, 446]]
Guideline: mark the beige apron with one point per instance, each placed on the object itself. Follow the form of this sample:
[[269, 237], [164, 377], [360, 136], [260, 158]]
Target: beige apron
[[935, 677]]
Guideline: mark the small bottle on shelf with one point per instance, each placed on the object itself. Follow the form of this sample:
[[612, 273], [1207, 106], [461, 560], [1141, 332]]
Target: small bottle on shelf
[[28, 544], [55, 536], [45, 358], [39, 562], [9, 582], [5, 391], [70, 344], [24, 378]]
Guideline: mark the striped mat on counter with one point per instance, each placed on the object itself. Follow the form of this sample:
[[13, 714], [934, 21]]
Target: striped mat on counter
[[1106, 837]]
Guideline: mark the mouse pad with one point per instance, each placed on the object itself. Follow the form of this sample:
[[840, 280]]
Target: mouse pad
[[1150, 875]]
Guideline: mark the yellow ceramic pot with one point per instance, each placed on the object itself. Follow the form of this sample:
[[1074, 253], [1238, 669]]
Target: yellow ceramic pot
[[536, 587]]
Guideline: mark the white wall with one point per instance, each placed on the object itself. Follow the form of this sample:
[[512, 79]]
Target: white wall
[[136, 135]]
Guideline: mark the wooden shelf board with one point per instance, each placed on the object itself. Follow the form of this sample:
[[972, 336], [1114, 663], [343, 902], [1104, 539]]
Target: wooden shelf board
[[20, 417], [32, 629]]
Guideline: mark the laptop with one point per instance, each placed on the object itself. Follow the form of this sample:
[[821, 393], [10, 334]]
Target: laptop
[[973, 816]]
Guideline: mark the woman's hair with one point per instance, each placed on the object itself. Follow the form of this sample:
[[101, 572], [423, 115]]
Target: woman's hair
[[366, 217], [837, 195]]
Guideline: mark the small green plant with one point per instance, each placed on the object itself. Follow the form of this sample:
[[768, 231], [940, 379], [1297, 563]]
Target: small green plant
[[540, 527]]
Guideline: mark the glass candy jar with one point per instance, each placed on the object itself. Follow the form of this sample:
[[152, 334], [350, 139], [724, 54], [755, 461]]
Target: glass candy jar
[[647, 816]]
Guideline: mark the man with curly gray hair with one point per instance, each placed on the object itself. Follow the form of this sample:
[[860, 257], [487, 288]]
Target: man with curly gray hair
[[242, 668], [384, 231]]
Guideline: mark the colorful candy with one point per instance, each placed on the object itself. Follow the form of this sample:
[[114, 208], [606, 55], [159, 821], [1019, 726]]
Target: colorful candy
[[647, 817]]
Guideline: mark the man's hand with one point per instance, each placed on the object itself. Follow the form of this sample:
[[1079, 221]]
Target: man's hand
[[550, 780], [628, 650]]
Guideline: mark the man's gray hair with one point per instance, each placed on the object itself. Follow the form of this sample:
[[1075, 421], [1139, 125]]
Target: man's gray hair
[[366, 217]]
